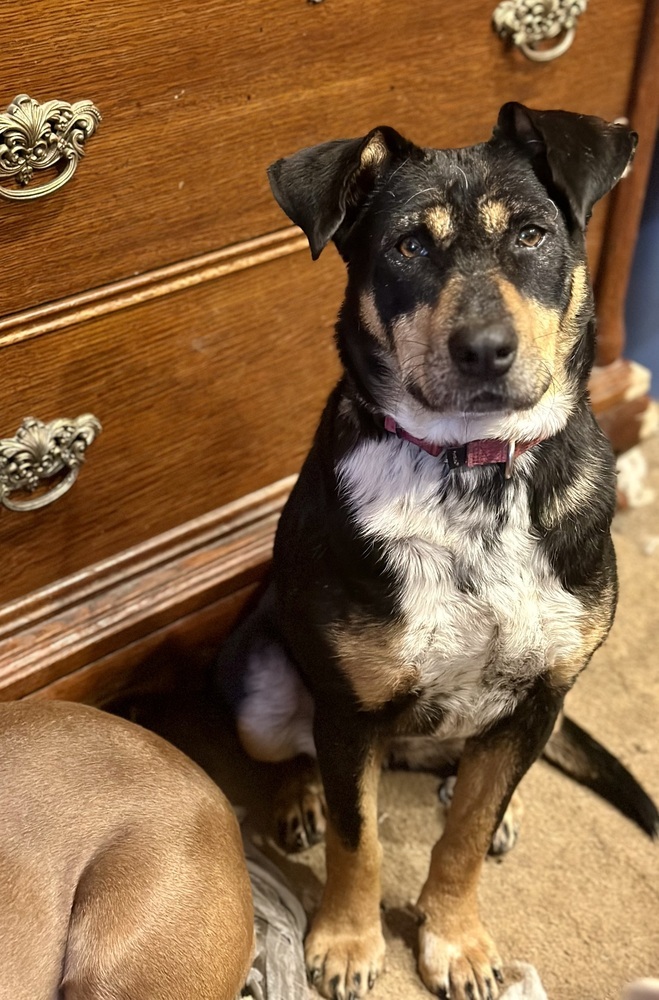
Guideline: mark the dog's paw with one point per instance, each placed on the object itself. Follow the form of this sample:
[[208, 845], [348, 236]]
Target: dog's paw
[[507, 833], [300, 810], [446, 789], [344, 964], [464, 966]]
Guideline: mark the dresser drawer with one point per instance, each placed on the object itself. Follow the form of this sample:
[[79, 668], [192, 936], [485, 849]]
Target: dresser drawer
[[198, 97], [204, 395]]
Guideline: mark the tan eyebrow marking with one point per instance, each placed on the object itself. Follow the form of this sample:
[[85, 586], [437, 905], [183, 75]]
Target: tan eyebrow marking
[[494, 216], [439, 221]]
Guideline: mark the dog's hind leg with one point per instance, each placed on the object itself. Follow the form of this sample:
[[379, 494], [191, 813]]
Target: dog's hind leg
[[300, 805], [259, 682], [274, 722], [162, 911], [274, 713]]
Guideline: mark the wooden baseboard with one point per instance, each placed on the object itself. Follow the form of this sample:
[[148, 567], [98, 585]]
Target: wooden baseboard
[[616, 383], [628, 423], [109, 618], [619, 394], [175, 658]]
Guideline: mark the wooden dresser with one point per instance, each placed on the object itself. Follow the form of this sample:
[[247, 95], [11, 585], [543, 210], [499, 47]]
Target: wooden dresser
[[162, 291]]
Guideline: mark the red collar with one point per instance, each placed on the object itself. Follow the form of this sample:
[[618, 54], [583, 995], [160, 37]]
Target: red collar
[[488, 451]]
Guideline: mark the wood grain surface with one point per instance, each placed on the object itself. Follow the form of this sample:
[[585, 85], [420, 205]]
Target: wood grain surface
[[198, 97], [204, 396], [155, 284]]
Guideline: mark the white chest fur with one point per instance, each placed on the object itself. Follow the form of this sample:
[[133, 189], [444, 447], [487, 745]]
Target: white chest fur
[[482, 613]]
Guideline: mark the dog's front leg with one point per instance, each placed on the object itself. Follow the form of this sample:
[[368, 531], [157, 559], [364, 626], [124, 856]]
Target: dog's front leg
[[457, 957], [345, 947]]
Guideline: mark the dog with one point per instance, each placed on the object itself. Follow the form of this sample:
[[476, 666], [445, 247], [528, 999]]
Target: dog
[[122, 871], [443, 569]]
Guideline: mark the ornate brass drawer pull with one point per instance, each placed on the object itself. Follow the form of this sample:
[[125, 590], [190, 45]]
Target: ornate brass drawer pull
[[38, 452], [36, 136], [528, 22]]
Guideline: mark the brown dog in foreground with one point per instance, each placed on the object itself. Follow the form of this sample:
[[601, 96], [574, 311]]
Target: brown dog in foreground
[[121, 866]]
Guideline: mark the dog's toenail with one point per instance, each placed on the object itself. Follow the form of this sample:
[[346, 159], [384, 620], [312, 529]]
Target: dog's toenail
[[469, 990], [357, 979], [334, 987], [443, 993], [498, 975]]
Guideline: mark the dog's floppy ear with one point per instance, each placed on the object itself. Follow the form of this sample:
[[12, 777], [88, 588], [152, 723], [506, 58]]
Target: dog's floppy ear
[[321, 187], [584, 156]]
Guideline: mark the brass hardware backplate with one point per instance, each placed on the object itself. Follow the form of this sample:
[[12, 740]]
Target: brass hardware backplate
[[36, 136], [526, 23], [40, 451]]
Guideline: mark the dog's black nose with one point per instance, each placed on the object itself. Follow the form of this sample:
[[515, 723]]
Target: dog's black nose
[[483, 353]]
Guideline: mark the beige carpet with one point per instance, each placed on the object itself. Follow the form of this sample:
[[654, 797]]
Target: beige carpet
[[579, 895]]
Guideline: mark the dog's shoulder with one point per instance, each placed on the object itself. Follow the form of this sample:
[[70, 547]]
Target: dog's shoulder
[[572, 500]]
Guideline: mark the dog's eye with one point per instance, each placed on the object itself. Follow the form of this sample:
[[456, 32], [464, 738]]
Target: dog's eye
[[530, 236], [410, 247]]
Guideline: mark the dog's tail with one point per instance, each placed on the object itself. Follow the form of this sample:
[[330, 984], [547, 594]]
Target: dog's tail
[[574, 752]]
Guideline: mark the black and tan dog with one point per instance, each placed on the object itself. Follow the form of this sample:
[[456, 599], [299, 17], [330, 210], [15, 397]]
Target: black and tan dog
[[443, 568]]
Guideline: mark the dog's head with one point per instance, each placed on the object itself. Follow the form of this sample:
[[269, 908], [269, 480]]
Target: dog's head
[[468, 292]]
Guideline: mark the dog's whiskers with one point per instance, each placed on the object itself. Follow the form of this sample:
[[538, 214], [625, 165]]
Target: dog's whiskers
[[417, 194]]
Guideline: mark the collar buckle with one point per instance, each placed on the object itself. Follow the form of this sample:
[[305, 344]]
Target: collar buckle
[[489, 451]]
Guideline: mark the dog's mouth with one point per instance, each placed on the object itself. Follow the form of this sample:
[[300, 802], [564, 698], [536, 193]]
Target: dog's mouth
[[486, 399]]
